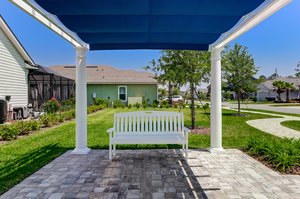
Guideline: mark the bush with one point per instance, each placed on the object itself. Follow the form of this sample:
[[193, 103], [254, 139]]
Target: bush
[[283, 154], [129, 105], [117, 104], [8, 132], [100, 101], [23, 127], [49, 120], [52, 106], [70, 102], [145, 103], [254, 99], [155, 104], [164, 104], [137, 105], [68, 115], [34, 125]]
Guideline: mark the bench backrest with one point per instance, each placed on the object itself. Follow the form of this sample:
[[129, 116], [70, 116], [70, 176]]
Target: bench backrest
[[148, 122]]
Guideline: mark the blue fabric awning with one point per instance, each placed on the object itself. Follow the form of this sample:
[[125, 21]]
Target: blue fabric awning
[[149, 24]]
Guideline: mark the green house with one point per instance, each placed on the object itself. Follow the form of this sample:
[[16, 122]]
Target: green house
[[108, 82]]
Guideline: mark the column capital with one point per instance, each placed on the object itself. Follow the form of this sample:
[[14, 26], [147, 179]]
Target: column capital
[[216, 53], [81, 52]]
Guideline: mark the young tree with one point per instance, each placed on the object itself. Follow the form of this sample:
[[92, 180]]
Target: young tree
[[163, 74], [297, 70], [180, 67], [280, 87], [162, 92], [239, 71]]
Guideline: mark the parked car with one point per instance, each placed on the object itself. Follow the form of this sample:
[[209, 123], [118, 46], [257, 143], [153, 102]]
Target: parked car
[[175, 98]]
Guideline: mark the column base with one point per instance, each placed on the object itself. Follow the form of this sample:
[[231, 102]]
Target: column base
[[81, 151], [215, 150]]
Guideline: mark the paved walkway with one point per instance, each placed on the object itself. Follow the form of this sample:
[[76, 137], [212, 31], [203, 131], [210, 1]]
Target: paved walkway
[[156, 174], [272, 125]]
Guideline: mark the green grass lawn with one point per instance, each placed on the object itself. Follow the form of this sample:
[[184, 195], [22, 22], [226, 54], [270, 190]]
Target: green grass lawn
[[293, 124], [22, 157]]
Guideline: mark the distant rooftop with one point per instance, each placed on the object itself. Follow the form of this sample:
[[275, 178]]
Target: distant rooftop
[[294, 80], [102, 74]]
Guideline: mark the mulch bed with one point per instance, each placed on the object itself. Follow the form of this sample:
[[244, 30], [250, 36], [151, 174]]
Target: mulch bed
[[200, 130]]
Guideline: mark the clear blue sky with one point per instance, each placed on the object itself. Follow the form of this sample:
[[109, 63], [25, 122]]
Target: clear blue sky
[[273, 43]]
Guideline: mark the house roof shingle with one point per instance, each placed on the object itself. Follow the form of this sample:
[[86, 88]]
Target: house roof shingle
[[103, 74], [295, 80]]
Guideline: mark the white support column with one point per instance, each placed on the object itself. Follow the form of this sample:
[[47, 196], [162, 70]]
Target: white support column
[[81, 102], [216, 101]]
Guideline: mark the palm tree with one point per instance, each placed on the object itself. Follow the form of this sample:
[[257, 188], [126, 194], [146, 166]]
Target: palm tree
[[280, 87], [288, 87]]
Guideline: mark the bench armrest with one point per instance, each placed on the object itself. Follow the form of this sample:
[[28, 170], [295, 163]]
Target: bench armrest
[[110, 130], [186, 130]]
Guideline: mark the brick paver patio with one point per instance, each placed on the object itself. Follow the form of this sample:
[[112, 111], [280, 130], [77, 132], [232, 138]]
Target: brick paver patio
[[156, 174]]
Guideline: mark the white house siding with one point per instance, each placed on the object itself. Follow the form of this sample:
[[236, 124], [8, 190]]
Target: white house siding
[[261, 95], [13, 74]]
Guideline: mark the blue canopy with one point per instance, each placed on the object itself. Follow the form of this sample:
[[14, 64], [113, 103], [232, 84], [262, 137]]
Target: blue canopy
[[149, 24]]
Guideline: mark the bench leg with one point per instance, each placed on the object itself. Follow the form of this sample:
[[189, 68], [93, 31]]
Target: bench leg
[[110, 153], [114, 149], [110, 148], [186, 148]]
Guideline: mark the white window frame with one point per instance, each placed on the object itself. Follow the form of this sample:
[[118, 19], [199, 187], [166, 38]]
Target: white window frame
[[125, 93]]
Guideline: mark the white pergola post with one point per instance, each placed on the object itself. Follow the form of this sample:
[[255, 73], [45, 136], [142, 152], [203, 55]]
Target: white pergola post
[[216, 101], [81, 102]]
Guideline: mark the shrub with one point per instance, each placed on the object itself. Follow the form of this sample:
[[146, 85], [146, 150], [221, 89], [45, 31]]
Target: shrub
[[52, 106], [100, 101], [145, 103], [68, 115], [34, 125], [23, 127], [254, 99], [164, 104], [49, 120], [137, 105], [91, 109], [282, 153], [155, 104], [129, 105], [117, 104], [8, 132], [70, 101]]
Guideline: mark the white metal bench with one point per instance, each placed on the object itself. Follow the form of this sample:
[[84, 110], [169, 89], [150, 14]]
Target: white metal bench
[[148, 127]]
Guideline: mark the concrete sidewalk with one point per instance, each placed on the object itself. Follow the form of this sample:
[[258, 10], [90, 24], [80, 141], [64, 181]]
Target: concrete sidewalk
[[273, 125], [282, 109]]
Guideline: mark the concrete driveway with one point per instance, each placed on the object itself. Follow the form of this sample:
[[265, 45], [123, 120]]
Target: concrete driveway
[[268, 107]]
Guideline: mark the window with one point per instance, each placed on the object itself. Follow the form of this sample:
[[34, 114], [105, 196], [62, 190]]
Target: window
[[122, 92]]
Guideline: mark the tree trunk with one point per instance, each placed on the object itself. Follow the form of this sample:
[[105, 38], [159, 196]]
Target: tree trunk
[[170, 93], [193, 105], [239, 102], [279, 96], [287, 95]]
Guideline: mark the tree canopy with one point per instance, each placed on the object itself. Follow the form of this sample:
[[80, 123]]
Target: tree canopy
[[181, 67], [238, 71]]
